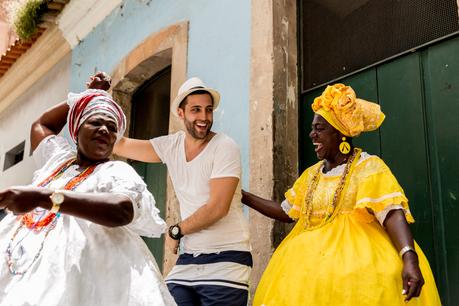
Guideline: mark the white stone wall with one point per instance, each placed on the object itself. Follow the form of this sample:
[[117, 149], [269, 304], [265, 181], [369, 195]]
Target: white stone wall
[[15, 120]]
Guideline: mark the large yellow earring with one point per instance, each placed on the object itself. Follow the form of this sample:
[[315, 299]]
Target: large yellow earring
[[344, 146]]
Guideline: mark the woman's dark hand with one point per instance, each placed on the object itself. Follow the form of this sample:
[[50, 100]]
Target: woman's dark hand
[[21, 200], [100, 80], [412, 276]]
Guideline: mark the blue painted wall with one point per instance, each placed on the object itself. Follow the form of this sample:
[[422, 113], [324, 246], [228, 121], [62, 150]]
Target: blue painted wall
[[218, 52]]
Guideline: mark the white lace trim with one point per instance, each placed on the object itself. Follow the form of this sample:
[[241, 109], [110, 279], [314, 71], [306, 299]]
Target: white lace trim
[[286, 207], [384, 197], [381, 216]]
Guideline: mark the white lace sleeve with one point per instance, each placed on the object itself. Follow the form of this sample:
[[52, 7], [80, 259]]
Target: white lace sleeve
[[52, 149], [286, 207], [121, 178], [381, 216]]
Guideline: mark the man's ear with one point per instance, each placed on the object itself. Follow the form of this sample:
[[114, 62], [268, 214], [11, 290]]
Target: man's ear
[[180, 113]]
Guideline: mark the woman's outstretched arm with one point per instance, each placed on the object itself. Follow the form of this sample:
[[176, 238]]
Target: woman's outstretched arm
[[106, 209], [268, 208]]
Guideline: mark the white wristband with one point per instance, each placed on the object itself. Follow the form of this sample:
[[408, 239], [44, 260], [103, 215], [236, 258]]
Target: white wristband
[[405, 249]]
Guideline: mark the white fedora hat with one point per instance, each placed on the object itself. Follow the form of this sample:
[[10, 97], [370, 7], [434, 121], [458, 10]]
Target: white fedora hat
[[191, 85]]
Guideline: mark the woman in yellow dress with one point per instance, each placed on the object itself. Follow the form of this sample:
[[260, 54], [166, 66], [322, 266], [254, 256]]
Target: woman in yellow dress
[[351, 244]]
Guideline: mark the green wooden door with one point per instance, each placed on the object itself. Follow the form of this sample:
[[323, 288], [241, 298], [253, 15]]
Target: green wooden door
[[419, 94], [150, 118], [155, 176], [441, 74]]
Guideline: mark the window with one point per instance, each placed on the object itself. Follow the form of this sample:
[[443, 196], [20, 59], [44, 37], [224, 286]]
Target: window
[[14, 156]]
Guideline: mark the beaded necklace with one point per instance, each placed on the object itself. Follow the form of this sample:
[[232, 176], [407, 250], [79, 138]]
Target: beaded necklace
[[49, 221], [306, 208]]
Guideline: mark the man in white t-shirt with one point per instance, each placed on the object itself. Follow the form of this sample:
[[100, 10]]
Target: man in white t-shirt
[[205, 169]]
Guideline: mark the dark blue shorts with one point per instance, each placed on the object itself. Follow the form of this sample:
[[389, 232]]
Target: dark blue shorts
[[207, 295], [211, 279]]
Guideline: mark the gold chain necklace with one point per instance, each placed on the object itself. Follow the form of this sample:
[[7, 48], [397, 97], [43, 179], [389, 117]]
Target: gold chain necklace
[[306, 208]]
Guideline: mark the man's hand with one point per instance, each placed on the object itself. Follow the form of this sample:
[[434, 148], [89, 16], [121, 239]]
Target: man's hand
[[412, 276], [99, 81], [21, 200], [172, 244]]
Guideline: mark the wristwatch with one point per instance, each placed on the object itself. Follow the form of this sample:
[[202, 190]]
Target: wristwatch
[[57, 198], [175, 232]]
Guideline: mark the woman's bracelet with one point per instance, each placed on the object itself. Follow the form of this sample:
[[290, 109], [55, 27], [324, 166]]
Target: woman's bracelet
[[405, 249]]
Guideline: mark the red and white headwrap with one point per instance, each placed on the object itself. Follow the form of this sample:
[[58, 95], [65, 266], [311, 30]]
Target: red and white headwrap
[[91, 102]]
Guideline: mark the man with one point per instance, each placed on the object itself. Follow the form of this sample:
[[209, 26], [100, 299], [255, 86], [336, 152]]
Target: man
[[205, 169]]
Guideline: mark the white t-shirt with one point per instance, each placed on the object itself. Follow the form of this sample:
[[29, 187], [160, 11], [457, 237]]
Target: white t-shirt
[[220, 158]]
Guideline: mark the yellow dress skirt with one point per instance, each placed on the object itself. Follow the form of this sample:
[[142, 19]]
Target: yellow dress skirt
[[349, 260]]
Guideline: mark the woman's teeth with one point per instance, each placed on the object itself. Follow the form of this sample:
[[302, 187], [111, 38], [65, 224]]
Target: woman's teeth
[[318, 146]]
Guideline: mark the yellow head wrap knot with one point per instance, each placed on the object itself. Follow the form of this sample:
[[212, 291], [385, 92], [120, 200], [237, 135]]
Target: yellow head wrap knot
[[348, 114]]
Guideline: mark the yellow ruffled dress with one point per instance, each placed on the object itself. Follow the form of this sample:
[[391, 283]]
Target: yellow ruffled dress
[[349, 260]]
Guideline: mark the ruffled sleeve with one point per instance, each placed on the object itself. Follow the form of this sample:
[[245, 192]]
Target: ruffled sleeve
[[378, 190], [120, 178], [52, 150]]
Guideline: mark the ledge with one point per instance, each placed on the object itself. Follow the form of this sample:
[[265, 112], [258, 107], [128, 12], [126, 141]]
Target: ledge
[[19, 47], [45, 52]]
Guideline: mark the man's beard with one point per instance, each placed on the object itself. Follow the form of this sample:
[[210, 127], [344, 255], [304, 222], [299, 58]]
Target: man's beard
[[190, 127]]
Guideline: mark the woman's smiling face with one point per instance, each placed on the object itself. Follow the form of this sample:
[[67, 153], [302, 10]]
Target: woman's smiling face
[[325, 138]]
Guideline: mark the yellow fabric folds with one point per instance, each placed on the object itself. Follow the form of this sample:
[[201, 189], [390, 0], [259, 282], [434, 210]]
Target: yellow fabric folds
[[380, 190], [350, 260], [351, 116]]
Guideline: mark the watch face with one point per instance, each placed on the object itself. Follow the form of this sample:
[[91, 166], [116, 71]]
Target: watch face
[[175, 231], [57, 198]]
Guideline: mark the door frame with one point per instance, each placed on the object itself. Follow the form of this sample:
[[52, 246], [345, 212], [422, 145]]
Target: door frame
[[167, 47]]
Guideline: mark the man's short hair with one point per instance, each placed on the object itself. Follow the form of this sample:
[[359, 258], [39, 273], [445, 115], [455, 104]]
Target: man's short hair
[[197, 92]]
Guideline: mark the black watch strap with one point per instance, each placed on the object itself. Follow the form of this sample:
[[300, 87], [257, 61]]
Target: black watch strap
[[175, 232]]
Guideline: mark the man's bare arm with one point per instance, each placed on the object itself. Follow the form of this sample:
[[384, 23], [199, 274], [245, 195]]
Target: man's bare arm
[[221, 194], [136, 149]]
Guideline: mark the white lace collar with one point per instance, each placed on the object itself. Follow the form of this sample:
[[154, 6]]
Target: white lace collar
[[338, 170]]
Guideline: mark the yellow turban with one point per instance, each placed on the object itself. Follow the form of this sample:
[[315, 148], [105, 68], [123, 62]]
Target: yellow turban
[[345, 112]]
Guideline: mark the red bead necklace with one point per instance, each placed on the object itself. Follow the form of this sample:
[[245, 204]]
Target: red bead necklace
[[50, 220], [28, 219]]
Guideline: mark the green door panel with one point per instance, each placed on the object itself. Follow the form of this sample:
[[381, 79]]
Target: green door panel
[[441, 74], [154, 176], [366, 87], [404, 143]]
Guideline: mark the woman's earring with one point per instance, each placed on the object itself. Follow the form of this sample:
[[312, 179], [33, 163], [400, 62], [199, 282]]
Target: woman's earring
[[344, 146]]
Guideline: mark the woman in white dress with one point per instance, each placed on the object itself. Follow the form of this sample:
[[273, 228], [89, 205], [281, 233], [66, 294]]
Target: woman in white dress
[[72, 236]]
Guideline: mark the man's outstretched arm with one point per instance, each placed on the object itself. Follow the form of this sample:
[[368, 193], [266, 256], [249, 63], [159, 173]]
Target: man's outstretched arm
[[136, 149]]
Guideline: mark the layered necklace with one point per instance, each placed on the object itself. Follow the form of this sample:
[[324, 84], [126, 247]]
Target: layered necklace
[[330, 212], [48, 222]]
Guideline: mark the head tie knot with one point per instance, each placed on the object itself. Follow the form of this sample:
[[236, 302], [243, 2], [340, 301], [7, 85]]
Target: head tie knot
[[348, 114]]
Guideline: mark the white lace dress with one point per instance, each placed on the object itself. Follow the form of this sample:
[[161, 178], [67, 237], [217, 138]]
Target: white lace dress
[[83, 263]]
